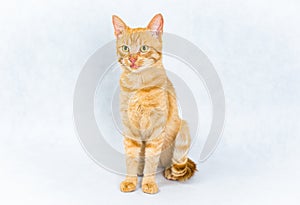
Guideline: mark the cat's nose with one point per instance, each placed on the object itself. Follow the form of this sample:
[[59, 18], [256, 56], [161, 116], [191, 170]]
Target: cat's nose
[[132, 59]]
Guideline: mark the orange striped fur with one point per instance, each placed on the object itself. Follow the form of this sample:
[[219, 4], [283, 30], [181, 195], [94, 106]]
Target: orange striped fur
[[153, 132]]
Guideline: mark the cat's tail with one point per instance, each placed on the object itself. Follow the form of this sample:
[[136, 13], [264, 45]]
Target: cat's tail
[[181, 172], [182, 168]]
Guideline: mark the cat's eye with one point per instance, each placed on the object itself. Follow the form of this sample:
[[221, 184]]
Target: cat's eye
[[125, 48], [144, 48]]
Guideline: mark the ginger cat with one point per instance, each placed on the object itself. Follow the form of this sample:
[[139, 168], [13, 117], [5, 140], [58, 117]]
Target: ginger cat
[[154, 135]]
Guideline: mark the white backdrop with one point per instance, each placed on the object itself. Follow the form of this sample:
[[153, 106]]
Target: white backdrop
[[254, 45]]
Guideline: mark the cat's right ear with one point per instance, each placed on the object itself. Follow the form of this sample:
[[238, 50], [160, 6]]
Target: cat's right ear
[[119, 25]]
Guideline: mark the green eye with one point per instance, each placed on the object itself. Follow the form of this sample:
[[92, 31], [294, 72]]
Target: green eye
[[144, 48], [125, 48]]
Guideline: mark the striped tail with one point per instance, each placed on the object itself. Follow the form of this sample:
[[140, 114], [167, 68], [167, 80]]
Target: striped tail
[[182, 167], [181, 172]]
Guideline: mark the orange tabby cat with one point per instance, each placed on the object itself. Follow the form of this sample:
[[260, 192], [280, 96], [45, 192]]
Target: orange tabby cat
[[153, 132]]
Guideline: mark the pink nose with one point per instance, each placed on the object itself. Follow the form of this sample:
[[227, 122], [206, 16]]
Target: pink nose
[[132, 59]]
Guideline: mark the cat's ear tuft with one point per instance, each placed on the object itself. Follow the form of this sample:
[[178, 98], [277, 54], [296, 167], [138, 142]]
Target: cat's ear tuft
[[119, 25], [156, 24]]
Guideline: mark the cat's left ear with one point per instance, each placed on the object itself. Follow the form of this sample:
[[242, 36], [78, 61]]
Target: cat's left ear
[[156, 24], [119, 25]]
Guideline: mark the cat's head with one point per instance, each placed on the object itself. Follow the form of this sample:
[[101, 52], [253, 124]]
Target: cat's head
[[139, 48]]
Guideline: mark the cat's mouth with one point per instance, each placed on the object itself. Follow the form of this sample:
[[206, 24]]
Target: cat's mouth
[[134, 66]]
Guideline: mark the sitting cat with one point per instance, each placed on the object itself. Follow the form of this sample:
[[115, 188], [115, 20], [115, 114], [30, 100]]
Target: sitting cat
[[153, 132]]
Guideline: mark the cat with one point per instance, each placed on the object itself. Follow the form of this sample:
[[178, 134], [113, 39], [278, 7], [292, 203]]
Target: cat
[[153, 132]]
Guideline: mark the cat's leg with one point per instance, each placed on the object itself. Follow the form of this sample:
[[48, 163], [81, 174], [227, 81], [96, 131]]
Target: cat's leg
[[152, 154], [182, 167], [132, 150], [165, 159], [141, 160]]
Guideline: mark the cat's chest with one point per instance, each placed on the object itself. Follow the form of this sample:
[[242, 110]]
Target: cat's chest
[[143, 103], [146, 99]]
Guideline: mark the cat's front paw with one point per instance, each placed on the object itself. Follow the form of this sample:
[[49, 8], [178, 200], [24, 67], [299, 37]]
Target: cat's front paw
[[127, 186], [150, 188]]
